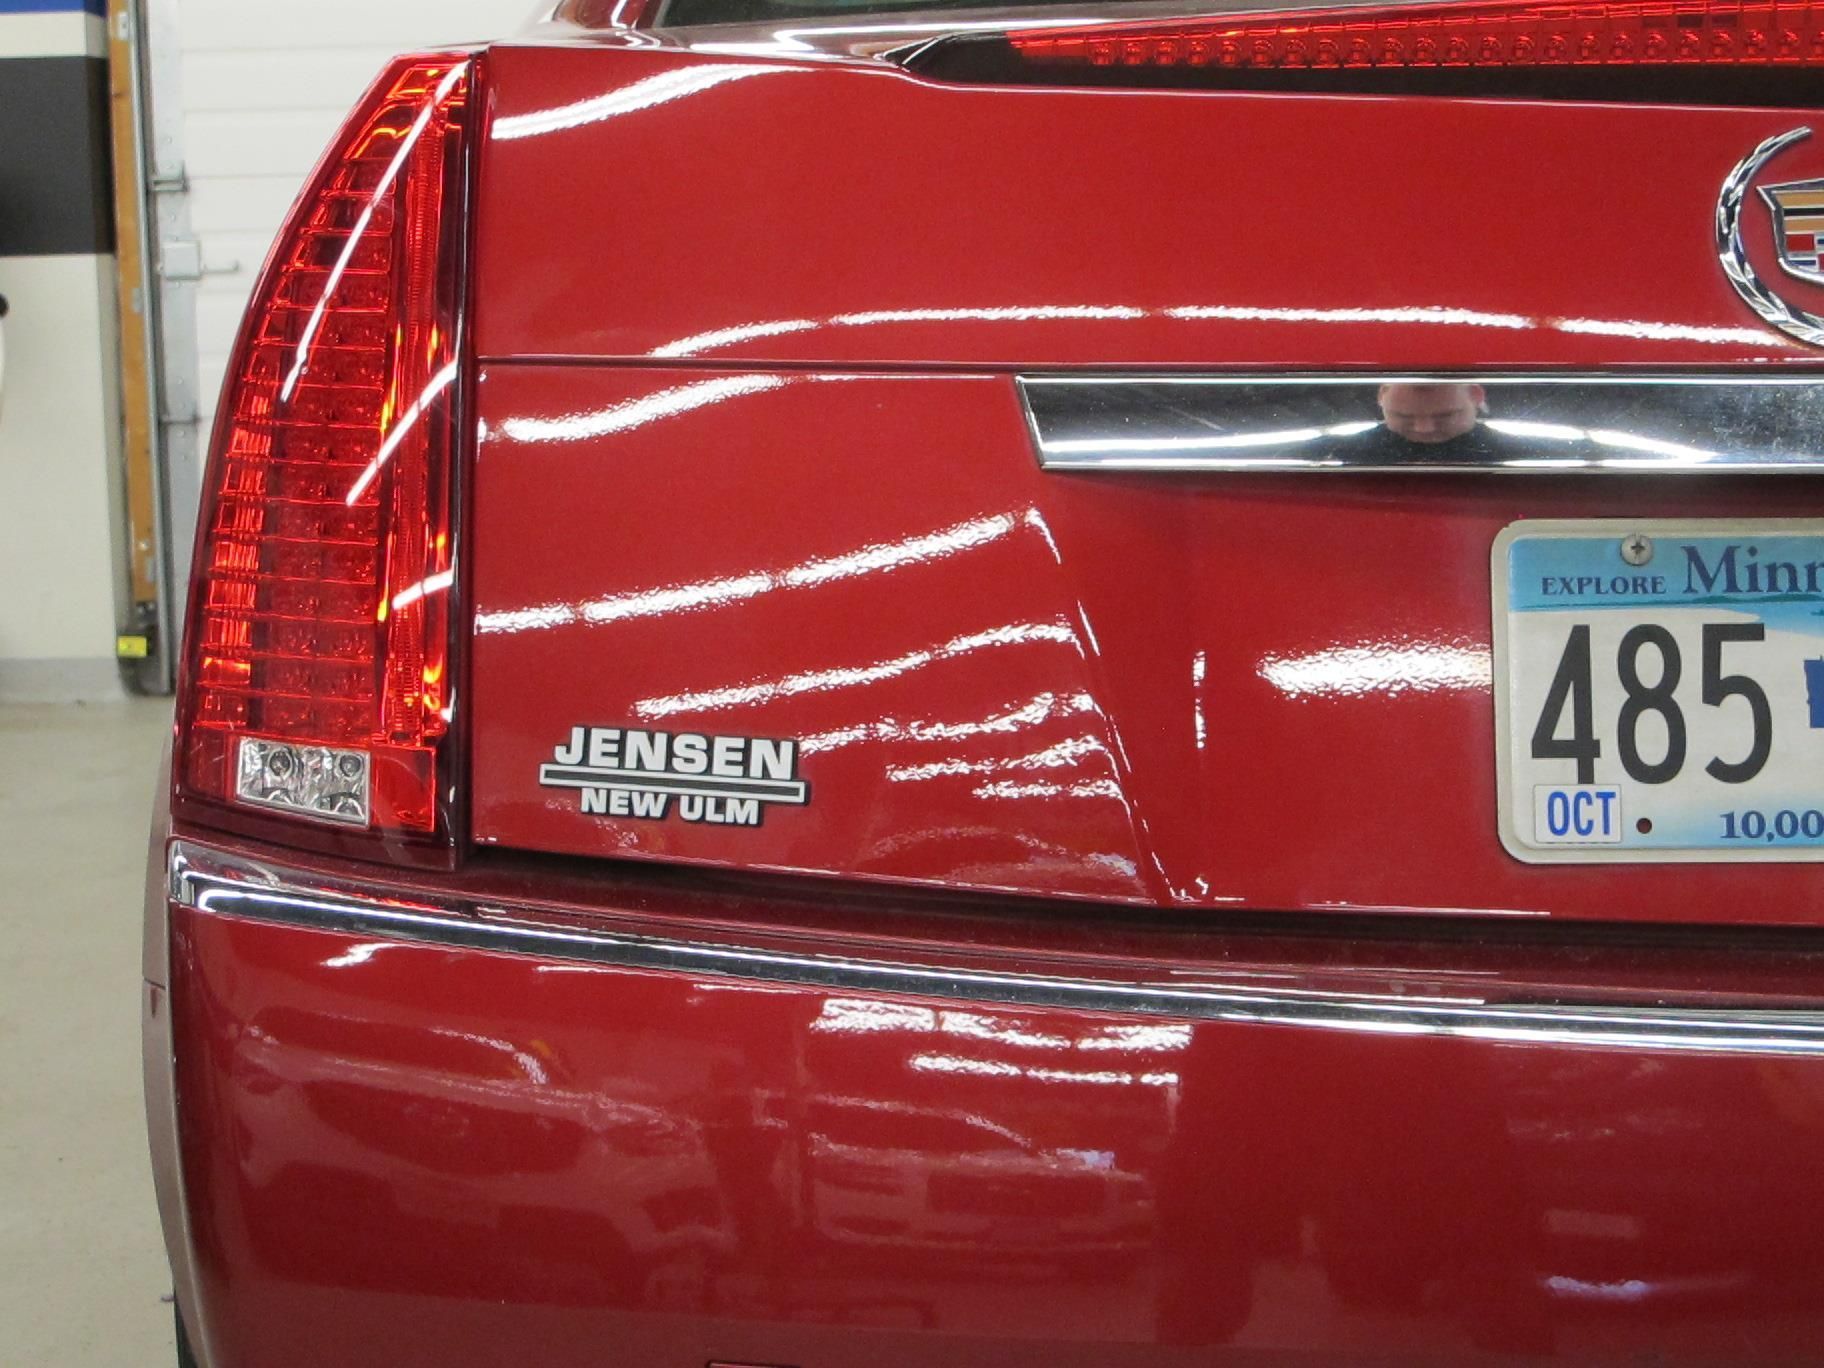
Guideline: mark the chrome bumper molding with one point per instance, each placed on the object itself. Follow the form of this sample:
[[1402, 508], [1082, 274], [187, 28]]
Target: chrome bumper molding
[[229, 885], [1456, 424]]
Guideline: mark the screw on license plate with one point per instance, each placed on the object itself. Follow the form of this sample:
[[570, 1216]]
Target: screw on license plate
[[1636, 549]]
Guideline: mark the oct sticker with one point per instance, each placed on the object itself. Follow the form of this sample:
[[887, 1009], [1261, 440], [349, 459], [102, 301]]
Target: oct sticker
[[1576, 814]]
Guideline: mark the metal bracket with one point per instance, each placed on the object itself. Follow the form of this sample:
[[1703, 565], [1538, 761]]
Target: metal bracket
[[182, 259]]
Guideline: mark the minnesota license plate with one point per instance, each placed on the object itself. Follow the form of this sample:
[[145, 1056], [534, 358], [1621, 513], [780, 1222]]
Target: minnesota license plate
[[1659, 690]]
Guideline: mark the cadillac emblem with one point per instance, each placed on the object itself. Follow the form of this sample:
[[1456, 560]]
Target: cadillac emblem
[[1798, 226]]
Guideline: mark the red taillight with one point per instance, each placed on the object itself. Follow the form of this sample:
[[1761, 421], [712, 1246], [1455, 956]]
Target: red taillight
[[1678, 33], [318, 655]]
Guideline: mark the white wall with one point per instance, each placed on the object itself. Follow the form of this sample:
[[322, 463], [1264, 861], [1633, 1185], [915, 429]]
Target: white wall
[[59, 410], [59, 457], [260, 88]]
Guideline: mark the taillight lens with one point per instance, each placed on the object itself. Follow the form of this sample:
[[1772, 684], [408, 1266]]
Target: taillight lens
[[318, 655], [1679, 32]]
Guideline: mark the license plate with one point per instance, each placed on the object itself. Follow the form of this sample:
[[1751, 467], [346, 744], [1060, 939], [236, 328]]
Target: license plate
[[1659, 690]]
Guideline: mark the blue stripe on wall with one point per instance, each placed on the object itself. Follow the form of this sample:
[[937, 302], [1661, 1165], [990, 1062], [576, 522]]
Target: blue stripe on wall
[[95, 7]]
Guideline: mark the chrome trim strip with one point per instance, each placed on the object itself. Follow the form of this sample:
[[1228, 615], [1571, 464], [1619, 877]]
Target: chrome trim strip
[[1776, 312], [1518, 424], [228, 885]]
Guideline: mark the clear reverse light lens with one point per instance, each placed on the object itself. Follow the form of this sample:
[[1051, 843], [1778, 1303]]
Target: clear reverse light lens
[[319, 781]]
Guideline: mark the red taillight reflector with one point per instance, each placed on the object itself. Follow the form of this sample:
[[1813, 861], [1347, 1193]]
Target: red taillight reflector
[[319, 625], [1685, 33]]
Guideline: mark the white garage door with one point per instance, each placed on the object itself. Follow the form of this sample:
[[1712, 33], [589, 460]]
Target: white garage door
[[244, 96]]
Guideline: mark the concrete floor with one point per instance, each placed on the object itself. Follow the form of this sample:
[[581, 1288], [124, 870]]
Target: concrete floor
[[83, 1280]]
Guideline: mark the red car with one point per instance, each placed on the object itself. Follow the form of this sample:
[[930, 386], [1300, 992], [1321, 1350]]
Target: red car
[[1039, 686]]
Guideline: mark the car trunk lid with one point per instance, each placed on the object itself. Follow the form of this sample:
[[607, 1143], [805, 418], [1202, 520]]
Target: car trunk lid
[[755, 479]]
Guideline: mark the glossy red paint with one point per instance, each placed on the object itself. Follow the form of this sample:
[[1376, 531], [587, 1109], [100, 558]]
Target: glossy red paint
[[404, 1154], [1198, 691], [745, 468], [1054, 228]]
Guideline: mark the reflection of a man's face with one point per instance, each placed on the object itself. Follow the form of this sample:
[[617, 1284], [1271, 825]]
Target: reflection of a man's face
[[1430, 413]]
